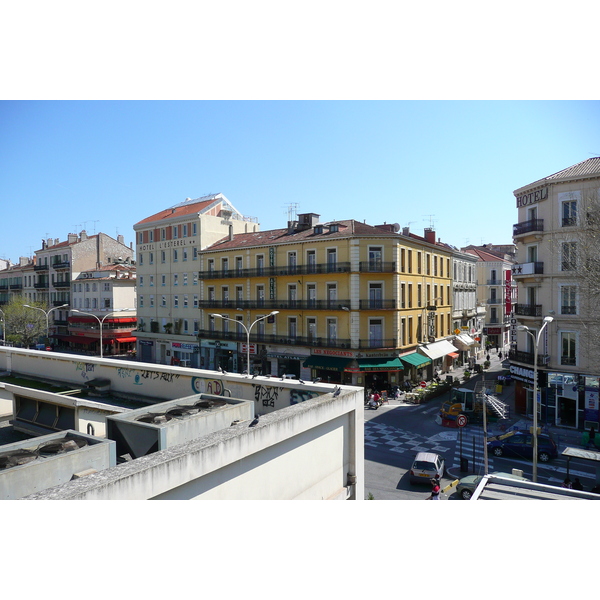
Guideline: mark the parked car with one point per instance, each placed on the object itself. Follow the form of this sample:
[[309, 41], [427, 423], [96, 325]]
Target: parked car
[[520, 444], [466, 486], [426, 466]]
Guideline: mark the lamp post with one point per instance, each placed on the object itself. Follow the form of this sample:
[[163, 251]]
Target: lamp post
[[247, 329], [3, 328], [47, 313], [101, 322], [536, 343]]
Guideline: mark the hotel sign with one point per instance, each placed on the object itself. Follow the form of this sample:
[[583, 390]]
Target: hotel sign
[[532, 197]]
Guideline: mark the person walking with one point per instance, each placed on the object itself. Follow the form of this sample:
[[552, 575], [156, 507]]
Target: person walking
[[435, 489], [592, 438], [577, 484]]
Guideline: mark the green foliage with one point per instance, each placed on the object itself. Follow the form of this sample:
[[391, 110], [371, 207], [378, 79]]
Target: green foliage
[[24, 326], [370, 496]]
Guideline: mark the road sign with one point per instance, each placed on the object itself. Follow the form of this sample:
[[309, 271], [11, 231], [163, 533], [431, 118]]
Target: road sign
[[423, 384], [245, 347], [461, 420]]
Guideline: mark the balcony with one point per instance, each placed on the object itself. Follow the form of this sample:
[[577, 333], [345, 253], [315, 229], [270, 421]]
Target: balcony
[[569, 221], [495, 300], [40, 267], [377, 304], [61, 285], [528, 310], [525, 269], [568, 310], [375, 266], [495, 282], [261, 338], [16, 286], [528, 357], [62, 265], [41, 285], [570, 361], [289, 270], [528, 227], [275, 304]]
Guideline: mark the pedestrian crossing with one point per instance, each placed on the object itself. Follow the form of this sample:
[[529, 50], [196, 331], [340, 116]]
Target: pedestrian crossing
[[447, 444]]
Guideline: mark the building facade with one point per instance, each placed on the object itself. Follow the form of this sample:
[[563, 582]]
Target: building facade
[[496, 292], [168, 247], [342, 301], [556, 273], [103, 304]]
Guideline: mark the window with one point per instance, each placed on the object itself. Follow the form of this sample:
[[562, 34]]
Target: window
[[568, 348], [331, 259], [402, 295], [311, 294], [151, 280], [195, 253], [163, 300], [311, 327], [569, 213], [175, 279], [175, 255], [151, 301], [141, 301], [195, 300], [568, 300], [375, 333], [141, 278], [375, 295], [163, 257], [176, 301], [311, 261], [185, 301], [569, 256], [185, 230], [331, 293], [163, 280], [331, 331], [375, 258], [163, 234], [239, 263], [185, 279], [151, 258], [184, 253], [292, 262], [175, 231], [239, 293], [292, 327]]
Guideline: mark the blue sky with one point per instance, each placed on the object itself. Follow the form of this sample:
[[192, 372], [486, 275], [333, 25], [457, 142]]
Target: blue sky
[[104, 165]]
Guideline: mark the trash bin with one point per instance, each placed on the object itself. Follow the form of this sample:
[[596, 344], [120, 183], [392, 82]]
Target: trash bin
[[498, 388], [464, 464]]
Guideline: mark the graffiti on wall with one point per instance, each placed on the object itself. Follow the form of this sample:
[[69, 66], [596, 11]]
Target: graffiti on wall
[[267, 394], [201, 385], [297, 396], [85, 369]]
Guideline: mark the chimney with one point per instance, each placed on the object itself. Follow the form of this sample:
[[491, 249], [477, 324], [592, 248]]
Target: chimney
[[23, 261], [230, 232], [72, 238], [83, 235], [406, 231], [121, 239], [430, 235]]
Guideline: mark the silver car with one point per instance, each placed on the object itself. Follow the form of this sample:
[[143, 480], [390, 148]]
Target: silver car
[[426, 466]]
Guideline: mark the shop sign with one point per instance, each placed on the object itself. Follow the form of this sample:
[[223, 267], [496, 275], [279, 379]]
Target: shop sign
[[522, 374], [184, 346], [342, 353]]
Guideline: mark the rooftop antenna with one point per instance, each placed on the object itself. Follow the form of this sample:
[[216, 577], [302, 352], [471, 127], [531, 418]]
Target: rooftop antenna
[[94, 222], [410, 223], [292, 211], [431, 220]]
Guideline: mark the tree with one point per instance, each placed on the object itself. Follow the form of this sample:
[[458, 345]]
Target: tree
[[24, 326]]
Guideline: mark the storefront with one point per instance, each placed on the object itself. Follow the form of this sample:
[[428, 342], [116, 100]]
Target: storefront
[[442, 355], [465, 344], [185, 355], [329, 368], [379, 373], [414, 366]]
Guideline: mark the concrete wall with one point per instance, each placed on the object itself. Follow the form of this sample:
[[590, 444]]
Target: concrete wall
[[42, 473], [302, 452], [308, 444], [161, 382]]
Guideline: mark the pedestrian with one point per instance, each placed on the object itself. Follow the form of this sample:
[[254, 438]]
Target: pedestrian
[[435, 489], [577, 484], [487, 357], [592, 437], [500, 355], [567, 483]]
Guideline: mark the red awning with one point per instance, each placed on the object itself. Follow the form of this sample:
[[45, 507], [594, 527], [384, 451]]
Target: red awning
[[125, 340], [453, 354]]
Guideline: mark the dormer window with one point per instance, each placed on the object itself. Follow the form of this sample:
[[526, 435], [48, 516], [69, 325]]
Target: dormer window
[[334, 228], [318, 229]]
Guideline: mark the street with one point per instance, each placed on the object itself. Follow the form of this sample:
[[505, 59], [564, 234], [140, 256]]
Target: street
[[396, 432]]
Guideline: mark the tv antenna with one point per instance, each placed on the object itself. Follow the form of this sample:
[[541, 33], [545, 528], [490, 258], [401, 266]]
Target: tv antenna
[[292, 211], [431, 220]]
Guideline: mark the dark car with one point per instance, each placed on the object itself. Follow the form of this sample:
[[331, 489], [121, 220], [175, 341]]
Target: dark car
[[520, 444]]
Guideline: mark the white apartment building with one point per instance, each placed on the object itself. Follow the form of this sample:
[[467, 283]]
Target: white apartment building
[[168, 245], [554, 258], [467, 314], [495, 292]]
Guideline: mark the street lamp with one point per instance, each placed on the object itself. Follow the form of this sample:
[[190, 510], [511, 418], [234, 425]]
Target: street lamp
[[247, 329], [536, 343], [3, 327], [47, 313], [101, 322]]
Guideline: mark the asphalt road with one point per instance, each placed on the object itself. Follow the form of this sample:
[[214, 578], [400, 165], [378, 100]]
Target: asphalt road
[[395, 433]]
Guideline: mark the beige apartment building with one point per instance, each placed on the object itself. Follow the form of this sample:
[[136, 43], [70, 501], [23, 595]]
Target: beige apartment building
[[557, 277]]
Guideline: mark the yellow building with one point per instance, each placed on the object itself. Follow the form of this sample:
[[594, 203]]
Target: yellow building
[[344, 301]]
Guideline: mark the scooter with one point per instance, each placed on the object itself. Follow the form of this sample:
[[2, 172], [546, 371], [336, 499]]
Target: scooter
[[373, 404]]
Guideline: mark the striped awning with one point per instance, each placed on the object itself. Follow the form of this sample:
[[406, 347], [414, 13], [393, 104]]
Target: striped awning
[[414, 359]]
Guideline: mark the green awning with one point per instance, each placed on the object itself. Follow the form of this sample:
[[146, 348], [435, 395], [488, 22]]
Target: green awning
[[414, 359], [380, 364], [328, 363]]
